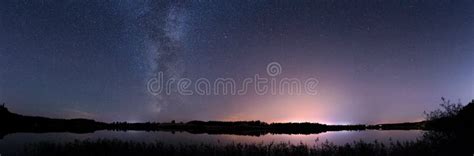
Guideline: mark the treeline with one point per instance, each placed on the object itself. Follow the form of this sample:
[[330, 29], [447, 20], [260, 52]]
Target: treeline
[[14, 123], [451, 116], [254, 128]]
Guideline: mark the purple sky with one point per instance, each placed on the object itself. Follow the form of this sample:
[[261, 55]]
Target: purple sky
[[376, 61]]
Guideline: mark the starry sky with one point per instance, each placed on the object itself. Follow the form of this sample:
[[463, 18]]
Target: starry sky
[[376, 61]]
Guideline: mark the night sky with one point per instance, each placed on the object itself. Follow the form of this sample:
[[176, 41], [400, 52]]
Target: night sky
[[376, 61]]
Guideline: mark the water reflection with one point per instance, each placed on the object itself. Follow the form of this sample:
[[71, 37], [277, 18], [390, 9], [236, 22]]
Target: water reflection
[[12, 143]]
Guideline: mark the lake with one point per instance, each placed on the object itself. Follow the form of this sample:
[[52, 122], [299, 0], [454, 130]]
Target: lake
[[13, 143]]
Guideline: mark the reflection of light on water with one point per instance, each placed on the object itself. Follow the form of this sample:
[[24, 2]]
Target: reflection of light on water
[[17, 140], [384, 136], [134, 132], [336, 137]]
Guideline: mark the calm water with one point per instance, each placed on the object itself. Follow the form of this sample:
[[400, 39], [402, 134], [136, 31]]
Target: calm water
[[15, 142]]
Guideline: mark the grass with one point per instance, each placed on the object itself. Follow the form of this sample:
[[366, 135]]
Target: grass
[[451, 135], [130, 148]]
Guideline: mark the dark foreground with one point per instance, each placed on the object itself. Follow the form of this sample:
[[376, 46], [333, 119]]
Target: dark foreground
[[432, 143], [450, 133]]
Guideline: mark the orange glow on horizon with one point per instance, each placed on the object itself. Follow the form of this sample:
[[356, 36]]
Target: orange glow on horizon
[[284, 109]]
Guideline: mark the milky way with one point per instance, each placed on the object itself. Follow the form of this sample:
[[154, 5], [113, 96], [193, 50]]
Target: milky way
[[376, 61], [163, 26]]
